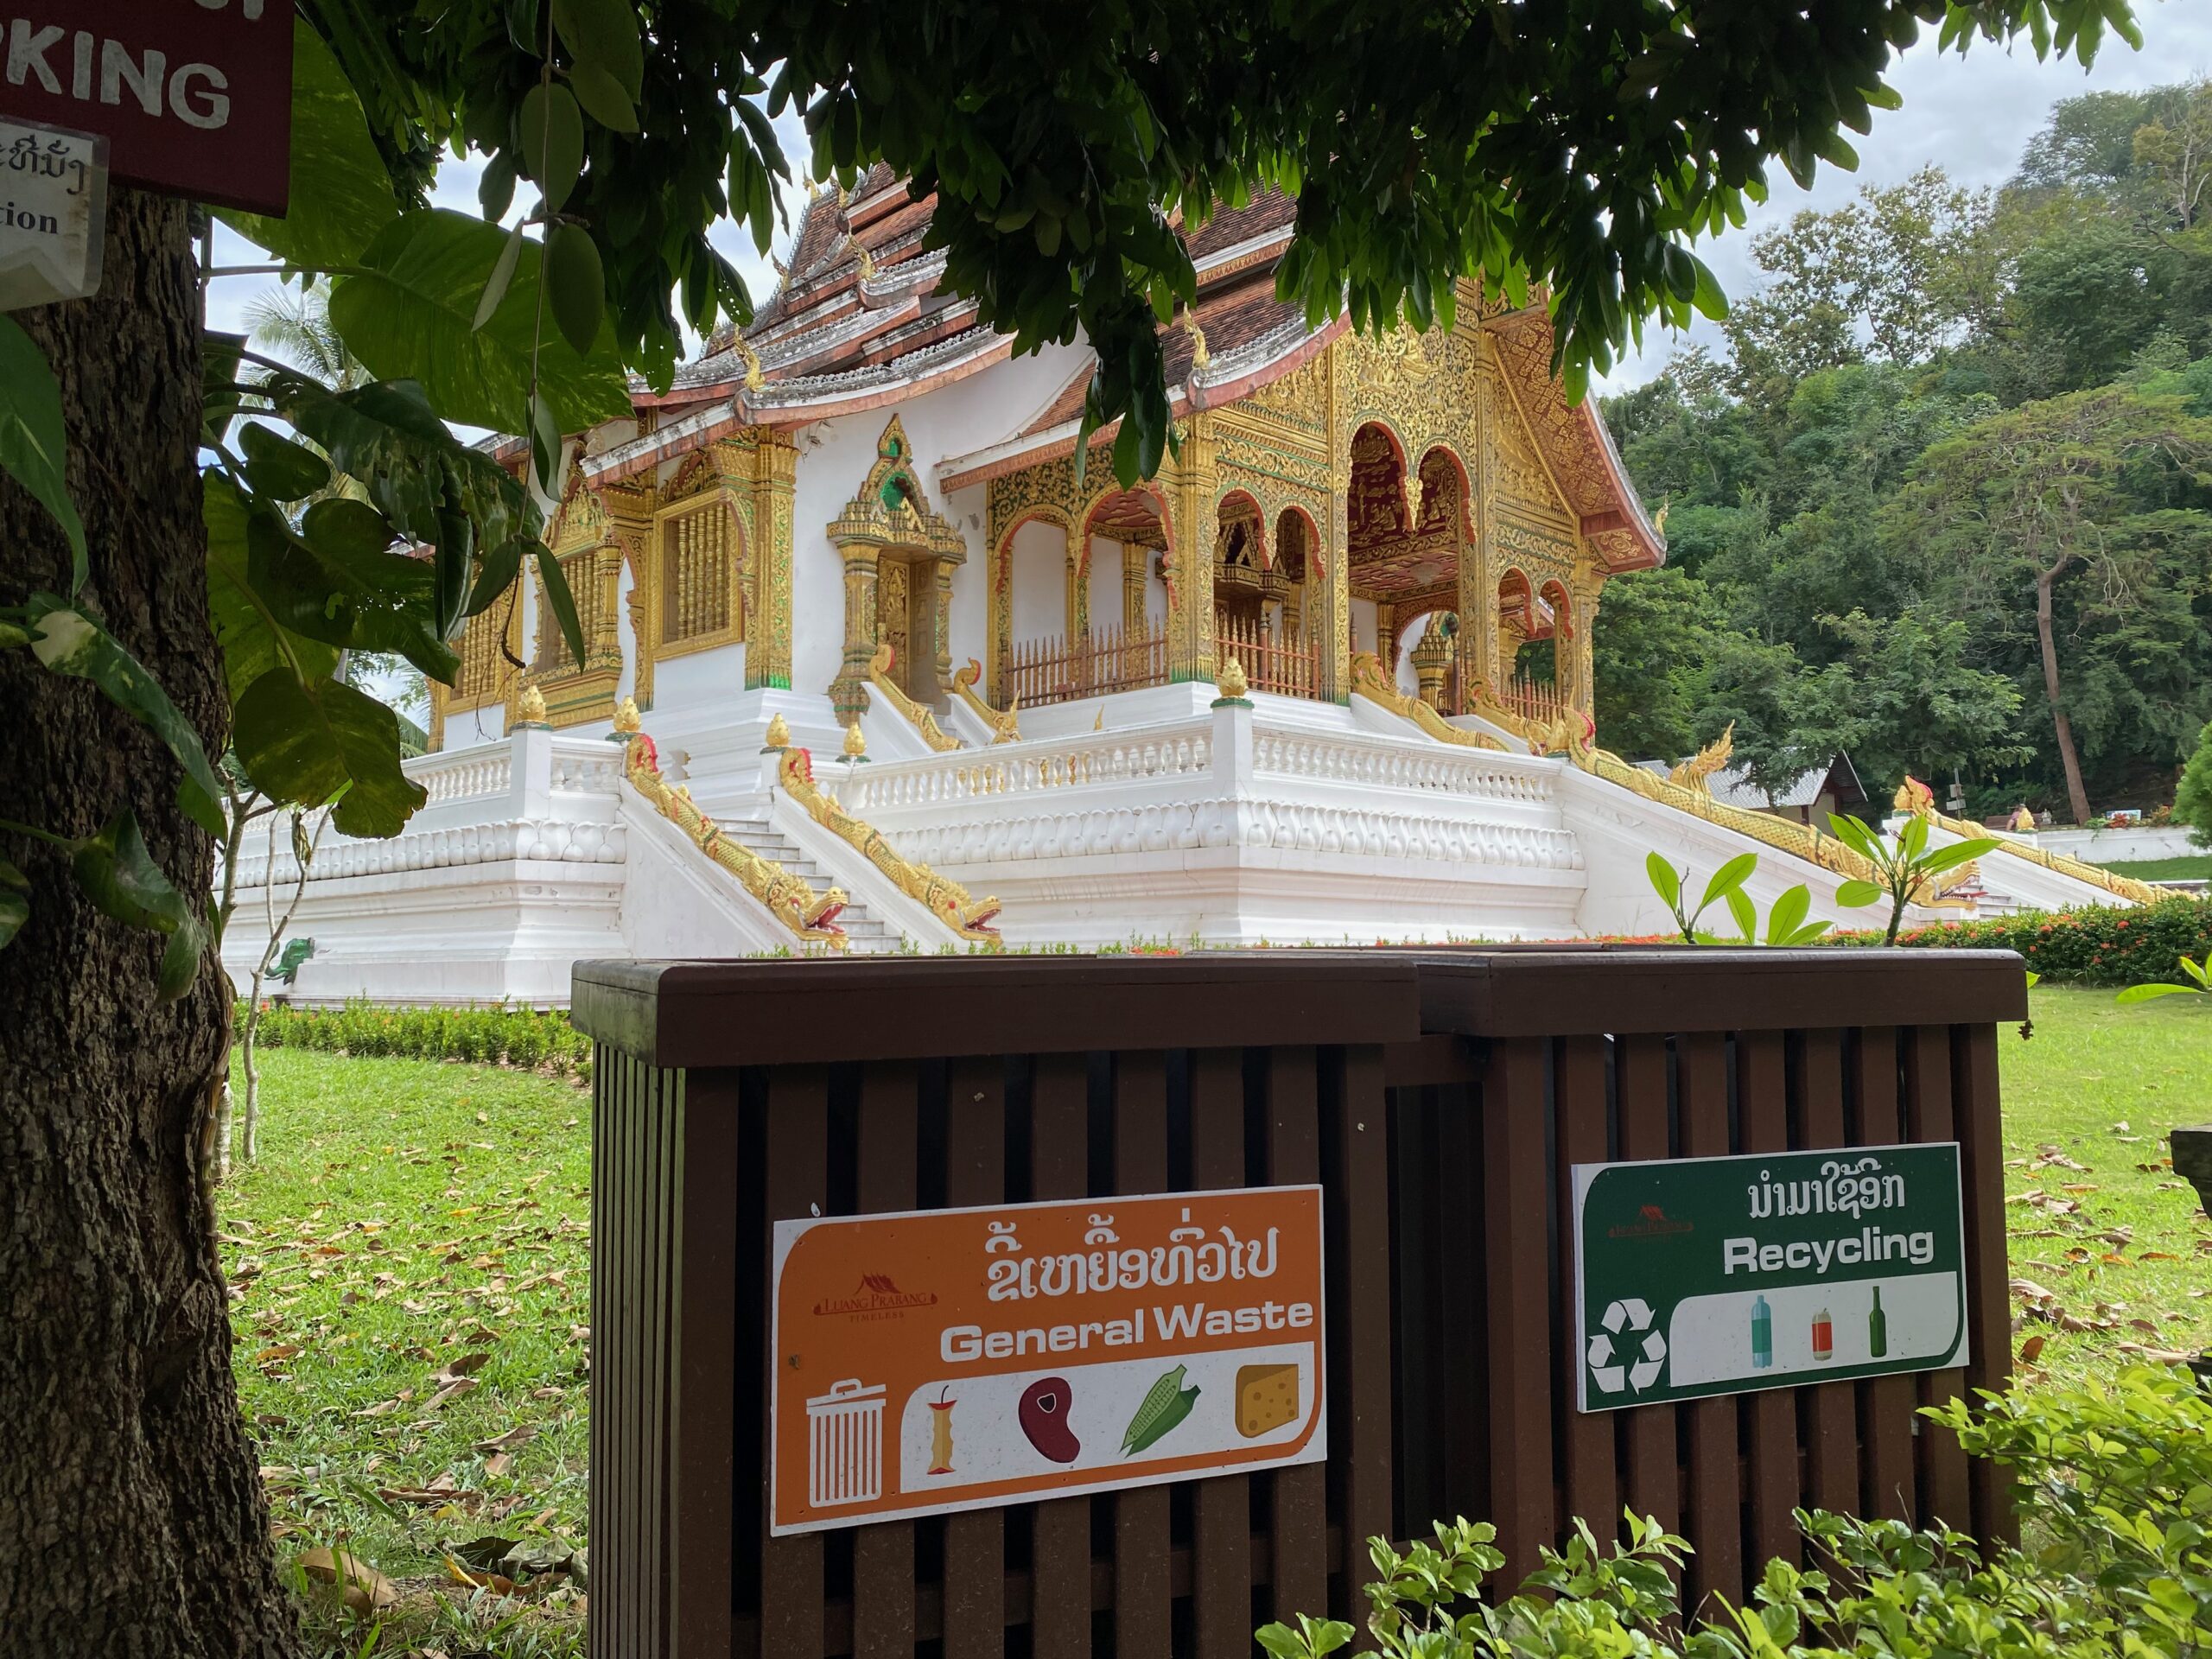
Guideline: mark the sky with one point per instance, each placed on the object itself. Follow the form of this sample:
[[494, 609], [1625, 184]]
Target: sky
[[1971, 116]]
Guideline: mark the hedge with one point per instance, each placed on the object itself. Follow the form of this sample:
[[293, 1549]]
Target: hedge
[[2100, 945], [527, 1038]]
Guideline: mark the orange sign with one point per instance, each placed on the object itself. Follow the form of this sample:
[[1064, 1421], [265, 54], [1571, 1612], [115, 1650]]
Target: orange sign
[[955, 1359]]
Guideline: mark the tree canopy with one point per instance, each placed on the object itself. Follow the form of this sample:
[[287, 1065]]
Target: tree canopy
[[1938, 389]]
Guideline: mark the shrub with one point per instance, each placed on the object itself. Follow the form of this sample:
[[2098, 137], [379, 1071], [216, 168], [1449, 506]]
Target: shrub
[[2114, 1482], [2100, 945], [528, 1038]]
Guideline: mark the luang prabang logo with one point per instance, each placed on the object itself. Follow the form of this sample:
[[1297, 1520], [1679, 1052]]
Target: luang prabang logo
[[875, 1297], [1652, 1221]]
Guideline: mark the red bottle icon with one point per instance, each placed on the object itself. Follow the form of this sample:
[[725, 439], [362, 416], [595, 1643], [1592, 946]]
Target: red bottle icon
[[1823, 1335]]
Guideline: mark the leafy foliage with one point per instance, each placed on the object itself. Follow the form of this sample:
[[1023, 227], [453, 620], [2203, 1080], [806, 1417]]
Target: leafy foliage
[[2100, 945], [2118, 1479], [1904, 870], [527, 1038]]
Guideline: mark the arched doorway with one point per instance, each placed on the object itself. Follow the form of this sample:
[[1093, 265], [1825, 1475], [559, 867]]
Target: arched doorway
[[1407, 528], [1094, 621]]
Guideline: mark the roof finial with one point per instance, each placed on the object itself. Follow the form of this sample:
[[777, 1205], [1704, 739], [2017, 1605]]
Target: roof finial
[[751, 359], [1200, 356]]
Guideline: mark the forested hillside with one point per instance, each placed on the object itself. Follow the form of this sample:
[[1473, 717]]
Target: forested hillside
[[1946, 500]]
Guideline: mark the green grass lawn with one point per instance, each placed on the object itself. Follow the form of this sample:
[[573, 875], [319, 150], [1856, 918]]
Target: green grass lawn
[[2095, 1214], [2192, 868], [410, 1295], [410, 1271]]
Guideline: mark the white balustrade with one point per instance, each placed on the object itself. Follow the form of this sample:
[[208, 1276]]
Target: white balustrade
[[463, 774], [1162, 753], [1379, 762]]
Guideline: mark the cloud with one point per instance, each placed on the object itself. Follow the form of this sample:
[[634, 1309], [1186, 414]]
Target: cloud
[[1970, 115]]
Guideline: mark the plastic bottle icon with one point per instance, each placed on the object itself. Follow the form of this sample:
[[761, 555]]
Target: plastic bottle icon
[[1823, 1335], [1762, 1334], [1878, 1328]]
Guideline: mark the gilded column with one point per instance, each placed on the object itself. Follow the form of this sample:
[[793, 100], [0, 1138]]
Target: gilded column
[[1078, 593], [1134, 560], [1479, 671], [1432, 657], [1589, 591], [1191, 483], [768, 629], [1331, 620], [630, 510], [848, 691], [945, 570]]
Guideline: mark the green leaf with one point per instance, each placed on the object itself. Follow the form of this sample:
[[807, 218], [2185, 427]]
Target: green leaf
[[563, 603], [410, 315], [576, 285], [219, 374], [552, 130], [497, 570], [14, 910], [69, 642], [1950, 858], [332, 581], [120, 878], [1665, 881], [603, 98], [1852, 894], [1747, 915], [342, 193], [1854, 835], [1730, 877], [1788, 914], [604, 33], [495, 285], [251, 639], [1912, 840], [33, 440], [278, 468], [306, 743], [2144, 993]]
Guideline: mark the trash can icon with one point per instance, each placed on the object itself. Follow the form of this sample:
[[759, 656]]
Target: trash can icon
[[844, 1459]]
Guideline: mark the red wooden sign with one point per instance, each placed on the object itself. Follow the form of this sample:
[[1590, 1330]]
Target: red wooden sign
[[194, 96]]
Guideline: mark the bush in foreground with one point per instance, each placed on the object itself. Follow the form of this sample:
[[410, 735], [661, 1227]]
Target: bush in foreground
[[527, 1038], [2114, 1483]]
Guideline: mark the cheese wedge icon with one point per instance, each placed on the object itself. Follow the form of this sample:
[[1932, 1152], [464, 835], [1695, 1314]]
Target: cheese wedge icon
[[1267, 1398]]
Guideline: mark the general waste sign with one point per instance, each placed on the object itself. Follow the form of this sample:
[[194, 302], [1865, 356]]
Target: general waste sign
[[195, 97], [955, 1359], [1721, 1275]]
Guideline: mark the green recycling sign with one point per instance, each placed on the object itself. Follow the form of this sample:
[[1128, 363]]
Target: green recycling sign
[[1700, 1276]]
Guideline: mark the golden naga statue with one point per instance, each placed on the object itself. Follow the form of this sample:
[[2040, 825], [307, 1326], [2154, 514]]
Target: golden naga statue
[[946, 901], [1571, 734], [2024, 821], [1697, 772], [1368, 680], [789, 899], [1005, 727], [922, 719], [1917, 798]]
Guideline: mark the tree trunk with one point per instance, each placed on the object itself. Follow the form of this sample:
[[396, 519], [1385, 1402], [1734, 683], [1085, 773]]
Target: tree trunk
[[2047, 638], [131, 1517]]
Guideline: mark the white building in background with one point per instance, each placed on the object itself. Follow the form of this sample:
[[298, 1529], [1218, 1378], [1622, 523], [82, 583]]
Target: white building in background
[[874, 664]]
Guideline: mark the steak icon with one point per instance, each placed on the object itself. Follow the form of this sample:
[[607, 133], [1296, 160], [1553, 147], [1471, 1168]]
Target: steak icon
[[1042, 1414]]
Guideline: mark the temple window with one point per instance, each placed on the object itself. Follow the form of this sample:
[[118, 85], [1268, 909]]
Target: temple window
[[700, 555], [552, 659]]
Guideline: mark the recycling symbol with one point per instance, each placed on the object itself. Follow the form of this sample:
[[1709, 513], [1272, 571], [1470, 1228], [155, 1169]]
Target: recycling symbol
[[1623, 1320]]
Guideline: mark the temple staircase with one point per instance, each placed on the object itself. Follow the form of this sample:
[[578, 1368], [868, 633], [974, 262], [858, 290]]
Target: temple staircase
[[865, 934]]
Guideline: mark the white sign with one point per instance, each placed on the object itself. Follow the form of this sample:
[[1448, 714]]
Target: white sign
[[52, 212]]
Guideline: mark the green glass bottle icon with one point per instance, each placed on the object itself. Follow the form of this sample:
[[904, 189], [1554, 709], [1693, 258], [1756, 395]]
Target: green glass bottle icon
[[1878, 1328], [1762, 1334]]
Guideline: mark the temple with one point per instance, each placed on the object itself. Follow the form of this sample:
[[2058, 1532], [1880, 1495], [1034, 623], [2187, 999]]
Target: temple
[[876, 661]]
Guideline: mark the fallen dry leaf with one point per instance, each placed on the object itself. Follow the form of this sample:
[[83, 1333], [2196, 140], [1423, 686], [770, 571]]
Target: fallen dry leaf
[[2031, 1350], [513, 1440], [366, 1590], [451, 1392], [2155, 1356]]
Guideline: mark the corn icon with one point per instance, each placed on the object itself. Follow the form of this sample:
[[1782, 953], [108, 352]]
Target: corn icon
[[1167, 1403]]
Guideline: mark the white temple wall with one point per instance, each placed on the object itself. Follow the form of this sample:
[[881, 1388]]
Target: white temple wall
[[833, 458], [1363, 625], [1105, 584]]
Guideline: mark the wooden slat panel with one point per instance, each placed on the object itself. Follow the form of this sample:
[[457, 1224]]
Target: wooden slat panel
[[796, 1158], [1981, 1154], [1588, 1438], [1654, 1465], [1141, 1588], [704, 1450], [883, 1556], [1222, 1569], [1358, 1236], [1885, 1402], [1059, 1529], [1715, 1504], [1831, 1409], [1300, 1578], [975, 1544], [630, 1450], [1942, 1468], [655, 1328], [1770, 1428], [610, 1087], [1520, 1322]]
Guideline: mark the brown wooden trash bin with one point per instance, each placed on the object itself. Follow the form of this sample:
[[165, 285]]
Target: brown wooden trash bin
[[1438, 1097]]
